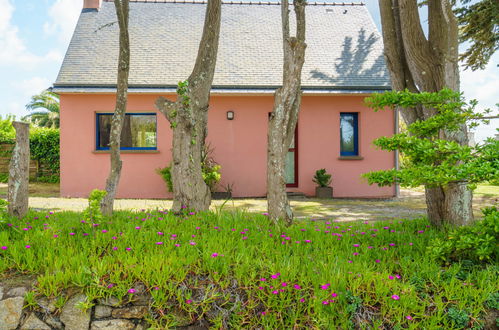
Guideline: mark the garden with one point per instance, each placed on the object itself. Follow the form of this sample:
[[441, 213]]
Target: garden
[[230, 270]]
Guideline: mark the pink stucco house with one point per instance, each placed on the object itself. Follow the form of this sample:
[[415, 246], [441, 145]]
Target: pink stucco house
[[344, 63]]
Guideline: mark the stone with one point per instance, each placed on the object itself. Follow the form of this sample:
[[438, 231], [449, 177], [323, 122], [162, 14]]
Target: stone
[[116, 324], [48, 305], [109, 301], [34, 323], [142, 326], [17, 292], [134, 312], [17, 194], [102, 311], [10, 312], [50, 320], [73, 317], [1, 293]]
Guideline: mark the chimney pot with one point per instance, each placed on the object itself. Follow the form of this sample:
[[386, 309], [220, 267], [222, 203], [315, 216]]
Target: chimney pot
[[94, 4]]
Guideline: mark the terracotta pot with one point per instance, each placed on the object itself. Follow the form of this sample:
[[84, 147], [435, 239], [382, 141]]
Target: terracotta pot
[[324, 192]]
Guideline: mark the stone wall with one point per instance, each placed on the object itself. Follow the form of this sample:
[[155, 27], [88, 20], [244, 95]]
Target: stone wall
[[44, 314]]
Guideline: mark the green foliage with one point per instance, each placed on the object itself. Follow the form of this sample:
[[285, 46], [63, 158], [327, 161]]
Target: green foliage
[[7, 131], [93, 213], [430, 160], [479, 26], [44, 147], [321, 178], [166, 174], [49, 103], [459, 318], [229, 264], [477, 242]]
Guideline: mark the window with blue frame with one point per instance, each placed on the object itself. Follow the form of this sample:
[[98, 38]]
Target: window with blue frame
[[139, 131], [349, 134]]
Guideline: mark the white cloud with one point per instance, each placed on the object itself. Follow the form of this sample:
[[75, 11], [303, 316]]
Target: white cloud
[[32, 86], [63, 17], [13, 50]]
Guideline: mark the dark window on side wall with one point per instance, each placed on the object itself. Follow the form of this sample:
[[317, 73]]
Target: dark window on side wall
[[139, 131], [349, 134]]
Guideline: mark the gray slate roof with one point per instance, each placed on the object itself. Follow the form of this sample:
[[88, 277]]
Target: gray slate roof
[[344, 48]]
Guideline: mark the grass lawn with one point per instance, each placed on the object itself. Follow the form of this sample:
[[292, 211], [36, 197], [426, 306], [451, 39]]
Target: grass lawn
[[236, 270]]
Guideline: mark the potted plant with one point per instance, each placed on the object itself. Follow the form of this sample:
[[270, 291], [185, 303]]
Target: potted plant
[[323, 180]]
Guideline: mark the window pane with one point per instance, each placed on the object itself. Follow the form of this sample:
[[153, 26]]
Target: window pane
[[348, 133], [139, 131], [290, 167]]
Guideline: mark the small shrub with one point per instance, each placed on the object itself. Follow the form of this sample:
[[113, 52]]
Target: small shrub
[[321, 178], [166, 174], [44, 147], [92, 213], [476, 243], [459, 318]]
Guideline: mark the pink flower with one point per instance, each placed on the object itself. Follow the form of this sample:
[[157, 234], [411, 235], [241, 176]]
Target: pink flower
[[128, 249], [377, 261], [137, 228], [159, 243], [132, 291], [177, 245], [390, 277], [356, 245], [72, 234], [260, 288], [297, 287], [192, 243], [214, 255], [276, 275], [334, 295], [110, 286], [408, 317], [188, 301], [284, 284], [263, 279], [308, 241], [4, 248], [302, 300], [55, 236], [275, 292], [325, 286], [263, 313], [160, 233], [114, 237], [104, 231], [115, 248], [325, 302], [27, 246], [395, 297]]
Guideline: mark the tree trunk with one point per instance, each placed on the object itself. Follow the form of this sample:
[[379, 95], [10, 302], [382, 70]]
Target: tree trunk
[[188, 117], [430, 64], [113, 179], [17, 195], [283, 119]]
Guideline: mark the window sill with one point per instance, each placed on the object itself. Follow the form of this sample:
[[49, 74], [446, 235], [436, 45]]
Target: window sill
[[350, 158], [127, 151]]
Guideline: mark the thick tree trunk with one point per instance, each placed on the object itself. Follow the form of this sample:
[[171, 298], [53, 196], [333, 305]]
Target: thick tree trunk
[[285, 113], [113, 179], [188, 117], [17, 195], [430, 64]]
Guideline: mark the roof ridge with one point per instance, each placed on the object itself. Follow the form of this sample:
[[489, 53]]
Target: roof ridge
[[201, 2]]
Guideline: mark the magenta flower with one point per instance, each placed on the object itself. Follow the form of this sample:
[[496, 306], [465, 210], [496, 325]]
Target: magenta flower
[[297, 287], [275, 292], [260, 288], [284, 284], [325, 286], [114, 237], [263, 279], [325, 302], [4, 248], [27, 246], [308, 241], [192, 243], [276, 275], [110, 286], [128, 249], [334, 295], [160, 233], [115, 248], [137, 228], [72, 234], [188, 301], [356, 245], [377, 261], [159, 243], [408, 317], [395, 297], [177, 245], [104, 231], [214, 255], [55, 236], [302, 300], [132, 291]]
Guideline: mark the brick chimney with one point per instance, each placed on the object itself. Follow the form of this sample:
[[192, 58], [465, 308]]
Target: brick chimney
[[92, 4]]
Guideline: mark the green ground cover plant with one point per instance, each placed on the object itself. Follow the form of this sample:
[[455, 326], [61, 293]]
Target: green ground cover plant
[[237, 270]]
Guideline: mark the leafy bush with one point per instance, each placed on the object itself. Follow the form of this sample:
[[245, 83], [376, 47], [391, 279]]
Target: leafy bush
[[93, 213], [321, 178], [477, 242], [166, 174], [44, 147], [7, 131], [459, 318]]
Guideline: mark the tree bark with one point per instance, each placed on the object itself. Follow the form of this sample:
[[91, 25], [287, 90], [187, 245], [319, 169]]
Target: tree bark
[[284, 116], [430, 64], [112, 182], [188, 117], [17, 195]]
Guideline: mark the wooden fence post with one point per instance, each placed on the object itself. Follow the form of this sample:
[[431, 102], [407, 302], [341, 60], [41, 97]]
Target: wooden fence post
[[19, 172]]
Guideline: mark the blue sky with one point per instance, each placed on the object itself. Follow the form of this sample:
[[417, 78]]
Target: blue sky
[[34, 35]]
